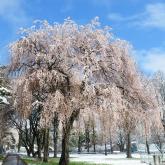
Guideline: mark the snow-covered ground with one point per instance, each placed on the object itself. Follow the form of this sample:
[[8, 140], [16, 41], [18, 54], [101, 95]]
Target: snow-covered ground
[[112, 159]]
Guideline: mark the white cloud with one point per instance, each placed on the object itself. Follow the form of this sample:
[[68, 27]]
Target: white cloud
[[116, 17], [12, 11], [119, 17], [151, 60], [152, 16]]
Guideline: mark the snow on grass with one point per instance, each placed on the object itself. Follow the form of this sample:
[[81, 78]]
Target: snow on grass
[[111, 159]]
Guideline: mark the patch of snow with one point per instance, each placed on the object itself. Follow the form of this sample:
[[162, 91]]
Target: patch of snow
[[36, 103], [5, 89], [3, 100], [113, 159]]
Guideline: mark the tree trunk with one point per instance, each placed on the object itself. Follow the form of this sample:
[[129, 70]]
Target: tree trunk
[[33, 154], [39, 152], [122, 147], [94, 147], [39, 142], [121, 142], [19, 142], [46, 145], [39, 149], [147, 146], [28, 152], [64, 159], [55, 134], [79, 144], [129, 146], [111, 149], [1, 149], [105, 148], [88, 146], [87, 137], [94, 139]]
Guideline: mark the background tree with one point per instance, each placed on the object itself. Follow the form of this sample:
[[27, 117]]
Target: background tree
[[120, 138], [157, 134], [5, 109], [158, 81], [30, 133]]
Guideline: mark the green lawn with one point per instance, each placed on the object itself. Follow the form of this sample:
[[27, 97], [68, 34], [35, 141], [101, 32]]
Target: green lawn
[[1, 157]]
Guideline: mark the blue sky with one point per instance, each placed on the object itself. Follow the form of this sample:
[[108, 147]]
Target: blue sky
[[141, 22]]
